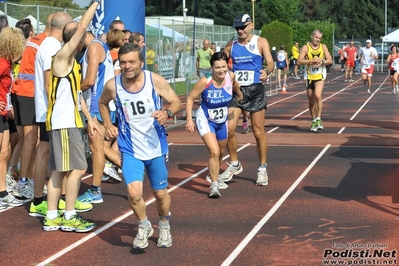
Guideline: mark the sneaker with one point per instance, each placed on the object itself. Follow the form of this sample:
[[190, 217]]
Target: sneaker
[[112, 174], [77, 224], [393, 91], [346, 80], [368, 91], [10, 182], [141, 239], [222, 184], [119, 171], [214, 193], [164, 237], [23, 189], [231, 170], [10, 201], [320, 124], [104, 178], [38, 210], [279, 86], [52, 225], [15, 171], [263, 179], [79, 206], [91, 197], [314, 126], [245, 127], [351, 80]]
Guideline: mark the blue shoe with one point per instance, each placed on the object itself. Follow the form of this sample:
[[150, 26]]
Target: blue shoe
[[91, 196]]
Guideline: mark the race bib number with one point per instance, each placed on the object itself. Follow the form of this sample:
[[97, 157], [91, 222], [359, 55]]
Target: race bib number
[[245, 77], [315, 70], [395, 65], [133, 110], [218, 115], [79, 100], [366, 66]]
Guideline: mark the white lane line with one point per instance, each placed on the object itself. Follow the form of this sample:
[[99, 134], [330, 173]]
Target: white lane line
[[276, 206], [120, 218]]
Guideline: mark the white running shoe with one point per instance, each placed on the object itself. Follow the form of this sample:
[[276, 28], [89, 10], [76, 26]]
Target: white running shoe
[[263, 179], [214, 192], [10, 182], [164, 237], [10, 201], [231, 170], [141, 239], [112, 174], [23, 189]]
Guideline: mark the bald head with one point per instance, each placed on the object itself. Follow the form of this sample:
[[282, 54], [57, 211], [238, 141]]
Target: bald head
[[48, 24], [59, 20]]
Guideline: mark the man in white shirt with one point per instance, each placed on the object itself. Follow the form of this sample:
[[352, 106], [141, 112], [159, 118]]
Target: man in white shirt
[[368, 55]]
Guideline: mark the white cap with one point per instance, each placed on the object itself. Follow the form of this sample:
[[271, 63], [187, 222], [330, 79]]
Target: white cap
[[274, 48], [368, 41]]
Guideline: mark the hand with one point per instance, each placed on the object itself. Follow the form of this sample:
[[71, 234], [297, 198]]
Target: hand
[[263, 75], [2, 106], [190, 126], [161, 116], [92, 129], [240, 97]]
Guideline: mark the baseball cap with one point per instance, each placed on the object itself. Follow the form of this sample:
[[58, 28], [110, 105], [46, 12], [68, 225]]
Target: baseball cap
[[274, 48], [241, 19], [368, 41]]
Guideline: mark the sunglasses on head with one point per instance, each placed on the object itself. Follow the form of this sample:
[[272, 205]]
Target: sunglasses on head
[[241, 28]]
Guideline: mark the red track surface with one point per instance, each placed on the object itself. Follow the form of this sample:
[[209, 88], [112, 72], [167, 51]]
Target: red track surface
[[326, 189]]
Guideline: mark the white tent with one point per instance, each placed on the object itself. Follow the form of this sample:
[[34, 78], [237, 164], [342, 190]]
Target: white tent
[[168, 32], [11, 21], [392, 37]]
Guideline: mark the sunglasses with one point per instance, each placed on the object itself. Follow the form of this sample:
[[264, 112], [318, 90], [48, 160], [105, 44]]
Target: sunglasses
[[241, 28]]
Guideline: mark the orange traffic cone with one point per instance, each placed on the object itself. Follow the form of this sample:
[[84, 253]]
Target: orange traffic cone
[[283, 89]]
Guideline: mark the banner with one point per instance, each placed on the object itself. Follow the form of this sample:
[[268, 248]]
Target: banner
[[131, 12], [165, 66]]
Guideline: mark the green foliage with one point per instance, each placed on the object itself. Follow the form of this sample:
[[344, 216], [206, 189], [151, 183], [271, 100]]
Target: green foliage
[[278, 33], [282, 10]]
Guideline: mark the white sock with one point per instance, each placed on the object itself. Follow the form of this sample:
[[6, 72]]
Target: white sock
[[234, 163], [69, 214], [52, 214]]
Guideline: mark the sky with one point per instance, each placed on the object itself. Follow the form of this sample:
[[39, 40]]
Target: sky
[[82, 3]]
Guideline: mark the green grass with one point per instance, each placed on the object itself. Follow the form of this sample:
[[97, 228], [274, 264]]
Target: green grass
[[181, 88]]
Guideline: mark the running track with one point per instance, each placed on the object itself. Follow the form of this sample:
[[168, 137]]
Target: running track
[[328, 189]]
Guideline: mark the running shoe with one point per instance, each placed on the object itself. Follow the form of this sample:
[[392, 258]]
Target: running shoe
[[222, 184], [52, 225], [23, 188], [91, 197], [77, 224], [393, 91], [245, 127], [10, 182], [141, 239], [351, 80], [38, 210], [319, 124], [10, 201], [346, 80], [111, 173], [231, 170], [79, 206], [263, 179], [368, 91], [214, 192], [314, 126], [164, 237]]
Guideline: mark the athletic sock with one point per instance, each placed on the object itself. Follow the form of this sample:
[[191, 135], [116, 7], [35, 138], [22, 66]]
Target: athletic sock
[[52, 214], [144, 223], [3, 193], [234, 163], [37, 201]]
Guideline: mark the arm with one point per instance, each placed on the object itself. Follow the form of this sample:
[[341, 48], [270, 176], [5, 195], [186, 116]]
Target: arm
[[108, 94], [327, 55], [95, 55], [47, 80], [389, 59], [265, 50], [92, 128], [302, 55], [287, 59], [194, 94], [236, 87], [164, 90]]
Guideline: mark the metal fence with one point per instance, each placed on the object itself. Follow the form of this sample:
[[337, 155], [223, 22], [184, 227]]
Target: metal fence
[[174, 41]]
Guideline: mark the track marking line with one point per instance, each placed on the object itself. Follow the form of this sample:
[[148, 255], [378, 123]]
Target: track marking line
[[276, 206]]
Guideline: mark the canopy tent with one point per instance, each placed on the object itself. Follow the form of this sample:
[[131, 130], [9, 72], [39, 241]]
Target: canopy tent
[[168, 32], [392, 37], [11, 21], [153, 32]]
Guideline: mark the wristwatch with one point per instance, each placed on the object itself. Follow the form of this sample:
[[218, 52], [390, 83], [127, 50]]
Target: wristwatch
[[267, 72], [169, 112]]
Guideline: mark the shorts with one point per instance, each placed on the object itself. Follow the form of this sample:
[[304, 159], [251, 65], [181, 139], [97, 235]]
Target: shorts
[[12, 126], [99, 118], [294, 61], [392, 72], [43, 136], [350, 63], [67, 150], [204, 126], [23, 111], [3, 124], [309, 84], [369, 71], [157, 170], [254, 98]]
